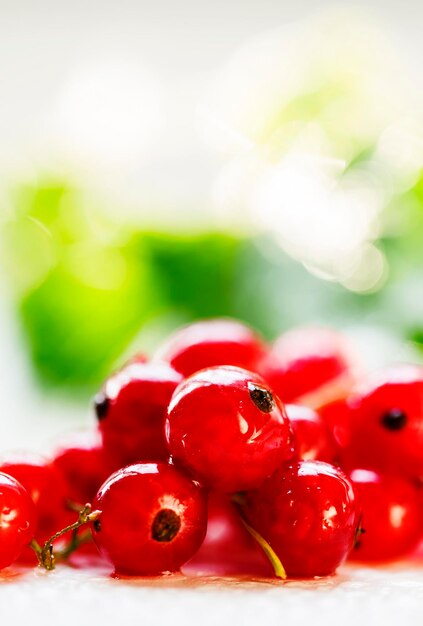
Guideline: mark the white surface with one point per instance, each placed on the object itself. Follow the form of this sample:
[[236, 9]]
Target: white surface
[[387, 596]]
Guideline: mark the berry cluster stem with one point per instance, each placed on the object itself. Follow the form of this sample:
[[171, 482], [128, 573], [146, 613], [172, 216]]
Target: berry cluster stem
[[275, 561], [45, 555]]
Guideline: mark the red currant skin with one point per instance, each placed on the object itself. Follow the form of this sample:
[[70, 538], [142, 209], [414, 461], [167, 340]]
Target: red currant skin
[[210, 343], [131, 410], [314, 439], [17, 520], [153, 519], [82, 461], [308, 514], [225, 426], [336, 416], [228, 548], [46, 487], [309, 364], [386, 423], [392, 516]]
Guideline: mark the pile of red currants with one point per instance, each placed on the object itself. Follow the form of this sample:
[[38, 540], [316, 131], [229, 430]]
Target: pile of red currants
[[222, 455]]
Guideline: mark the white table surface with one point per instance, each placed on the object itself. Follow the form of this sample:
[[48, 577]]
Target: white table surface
[[386, 596]]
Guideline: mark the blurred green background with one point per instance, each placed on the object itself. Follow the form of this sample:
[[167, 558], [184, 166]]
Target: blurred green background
[[311, 211], [88, 291]]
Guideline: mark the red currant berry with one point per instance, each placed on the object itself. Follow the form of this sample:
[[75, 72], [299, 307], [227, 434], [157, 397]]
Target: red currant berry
[[17, 520], [386, 423], [226, 427], [309, 366], [392, 517], [308, 514], [47, 489], [131, 410], [314, 439], [211, 343], [153, 519], [228, 548], [336, 416], [82, 461]]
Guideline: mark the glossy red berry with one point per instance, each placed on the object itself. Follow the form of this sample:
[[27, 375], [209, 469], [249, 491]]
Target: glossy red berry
[[17, 520], [392, 516], [211, 343], [84, 464], [336, 416], [131, 409], [47, 489], [310, 366], [314, 439], [225, 426], [308, 514], [153, 519], [228, 548], [386, 423]]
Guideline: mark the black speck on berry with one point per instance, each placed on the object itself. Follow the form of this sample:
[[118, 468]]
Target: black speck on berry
[[359, 531], [394, 419], [261, 397], [101, 405], [166, 525]]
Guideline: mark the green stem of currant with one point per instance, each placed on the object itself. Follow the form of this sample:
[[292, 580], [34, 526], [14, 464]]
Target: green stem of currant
[[275, 561], [75, 542], [45, 555]]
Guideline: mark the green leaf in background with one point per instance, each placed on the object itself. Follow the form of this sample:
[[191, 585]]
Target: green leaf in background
[[77, 328], [85, 286], [195, 273], [89, 290], [81, 291]]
